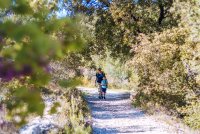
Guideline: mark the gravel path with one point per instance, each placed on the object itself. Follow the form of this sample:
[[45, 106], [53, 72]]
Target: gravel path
[[116, 115]]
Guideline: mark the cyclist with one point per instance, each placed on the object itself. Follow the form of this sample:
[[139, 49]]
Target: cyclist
[[99, 77], [104, 86]]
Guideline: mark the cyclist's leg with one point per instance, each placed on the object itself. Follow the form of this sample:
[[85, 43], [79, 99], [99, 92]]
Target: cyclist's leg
[[104, 93], [100, 91]]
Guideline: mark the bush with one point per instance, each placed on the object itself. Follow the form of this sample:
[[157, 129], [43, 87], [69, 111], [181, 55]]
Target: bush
[[192, 113], [167, 66]]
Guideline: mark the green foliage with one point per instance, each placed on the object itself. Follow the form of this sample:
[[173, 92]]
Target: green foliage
[[165, 62], [23, 102], [70, 108], [31, 36], [54, 108], [72, 83], [105, 36], [5, 4], [77, 114], [192, 113]]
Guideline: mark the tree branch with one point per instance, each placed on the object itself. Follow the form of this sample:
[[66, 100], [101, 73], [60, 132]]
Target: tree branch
[[162, 14]]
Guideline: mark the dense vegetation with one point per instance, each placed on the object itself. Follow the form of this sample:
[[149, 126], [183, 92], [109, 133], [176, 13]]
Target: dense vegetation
[[152, 47], [31, 37]]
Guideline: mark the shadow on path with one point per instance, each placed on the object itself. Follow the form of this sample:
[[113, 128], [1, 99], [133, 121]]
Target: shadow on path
[[117, 115]]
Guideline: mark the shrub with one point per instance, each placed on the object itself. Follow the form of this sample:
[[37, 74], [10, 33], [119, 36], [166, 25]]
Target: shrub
[[167, 65]]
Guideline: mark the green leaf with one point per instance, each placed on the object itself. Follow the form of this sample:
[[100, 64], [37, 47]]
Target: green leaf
[[22, 7], [5, 3], [32, 98], [54, 108]]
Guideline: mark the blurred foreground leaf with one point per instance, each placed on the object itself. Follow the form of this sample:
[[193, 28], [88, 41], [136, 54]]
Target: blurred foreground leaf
[[5, 3], [24, 101]]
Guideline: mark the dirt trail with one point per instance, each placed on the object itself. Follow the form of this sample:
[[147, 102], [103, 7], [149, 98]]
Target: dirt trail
[[116, 115]]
